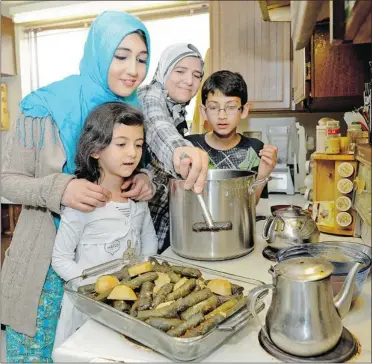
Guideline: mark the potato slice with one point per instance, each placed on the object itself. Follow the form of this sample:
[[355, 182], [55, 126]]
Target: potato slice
[[140, 268], [164, 304], [105, 283], [163, 279], [181, 282], [122, 292], [220, 287]]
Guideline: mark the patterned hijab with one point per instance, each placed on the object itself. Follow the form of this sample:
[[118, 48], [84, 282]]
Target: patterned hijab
[[70, 100], [168, 60]]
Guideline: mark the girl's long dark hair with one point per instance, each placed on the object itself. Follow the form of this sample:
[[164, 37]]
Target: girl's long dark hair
[[97, 135]]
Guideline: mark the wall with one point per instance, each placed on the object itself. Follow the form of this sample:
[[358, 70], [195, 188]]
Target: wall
[[14, 89]]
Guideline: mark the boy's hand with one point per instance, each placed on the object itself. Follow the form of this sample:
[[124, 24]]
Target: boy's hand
[[192, 164], [269, 157]]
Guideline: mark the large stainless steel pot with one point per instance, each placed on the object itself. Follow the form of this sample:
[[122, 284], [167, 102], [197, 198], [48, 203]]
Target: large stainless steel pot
[[229, 196]]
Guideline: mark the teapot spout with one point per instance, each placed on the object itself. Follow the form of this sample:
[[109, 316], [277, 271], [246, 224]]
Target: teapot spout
[[343, 299]]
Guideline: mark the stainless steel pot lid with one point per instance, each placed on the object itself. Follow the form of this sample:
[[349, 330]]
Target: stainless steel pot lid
[[343, 257], [304, 269]]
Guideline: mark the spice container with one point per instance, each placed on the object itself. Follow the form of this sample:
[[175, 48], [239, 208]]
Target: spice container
[[345, 169], [343, 203], [344, 145], [345, 186], [354, 132], [344, 219], [321, 135], [333, 137]]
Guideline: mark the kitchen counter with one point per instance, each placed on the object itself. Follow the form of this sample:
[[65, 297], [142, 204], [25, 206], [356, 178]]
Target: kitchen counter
[[94, 341]]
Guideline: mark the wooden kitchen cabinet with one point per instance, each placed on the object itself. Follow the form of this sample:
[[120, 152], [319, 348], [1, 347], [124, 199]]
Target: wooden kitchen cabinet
[[260, 51], [333, 76], [326, 192], [336, 70], [300, 76], [8, 57]]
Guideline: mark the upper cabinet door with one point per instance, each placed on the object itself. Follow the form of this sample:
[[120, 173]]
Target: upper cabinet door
[[260, 51]]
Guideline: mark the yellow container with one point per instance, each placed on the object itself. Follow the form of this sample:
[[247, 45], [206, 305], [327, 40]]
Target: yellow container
[[344, 145], [333, 145], [333, 140]]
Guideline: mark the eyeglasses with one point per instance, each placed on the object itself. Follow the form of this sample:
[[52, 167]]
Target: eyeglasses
[[229, 110]]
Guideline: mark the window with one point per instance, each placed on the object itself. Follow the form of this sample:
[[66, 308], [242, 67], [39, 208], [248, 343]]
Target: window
[[59, 51]]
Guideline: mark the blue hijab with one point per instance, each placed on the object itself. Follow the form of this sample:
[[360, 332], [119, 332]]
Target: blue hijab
[[70, 100]]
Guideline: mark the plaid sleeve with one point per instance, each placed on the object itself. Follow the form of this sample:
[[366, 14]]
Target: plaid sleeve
[[162, 137]]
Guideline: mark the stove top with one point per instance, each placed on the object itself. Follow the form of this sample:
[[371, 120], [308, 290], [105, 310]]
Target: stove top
[[345, 349]]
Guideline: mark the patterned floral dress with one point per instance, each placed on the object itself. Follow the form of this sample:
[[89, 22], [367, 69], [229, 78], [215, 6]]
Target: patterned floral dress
[[38, 349]]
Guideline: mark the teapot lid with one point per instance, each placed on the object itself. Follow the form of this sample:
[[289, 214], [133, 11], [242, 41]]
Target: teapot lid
[[291, 211], [304, 269]]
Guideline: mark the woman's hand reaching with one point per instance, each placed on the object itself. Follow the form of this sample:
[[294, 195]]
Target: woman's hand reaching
[[85, 196], [192, 164]]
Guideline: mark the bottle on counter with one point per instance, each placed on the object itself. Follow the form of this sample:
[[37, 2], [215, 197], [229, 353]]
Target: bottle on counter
[[321, 135], [354, 132], [333, 140]]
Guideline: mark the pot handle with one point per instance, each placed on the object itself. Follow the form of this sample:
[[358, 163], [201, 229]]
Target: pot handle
[[257, 183], [252, 299], [266, 227], [240, 320]]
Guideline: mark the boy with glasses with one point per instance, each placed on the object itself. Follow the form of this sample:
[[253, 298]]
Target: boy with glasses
[[224, 105]]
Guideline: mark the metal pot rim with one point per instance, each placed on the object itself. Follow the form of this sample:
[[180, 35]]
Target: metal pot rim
[[218, 174]]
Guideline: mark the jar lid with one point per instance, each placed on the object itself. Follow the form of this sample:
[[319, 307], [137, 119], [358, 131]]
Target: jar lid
[[333, 123], [304, 269], [345, 169], [343, 203], [345, 185], [355, 126], [344, 219]]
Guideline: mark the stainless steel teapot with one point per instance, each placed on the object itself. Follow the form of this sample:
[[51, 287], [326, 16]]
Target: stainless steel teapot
[[304, 318], [290, 225]]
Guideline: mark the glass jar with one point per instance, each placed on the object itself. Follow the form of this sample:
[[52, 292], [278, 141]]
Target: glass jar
[[333, 140], [354, 132]]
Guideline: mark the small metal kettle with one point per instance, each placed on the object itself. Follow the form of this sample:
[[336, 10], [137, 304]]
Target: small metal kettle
[[290, 225], [304, 318]]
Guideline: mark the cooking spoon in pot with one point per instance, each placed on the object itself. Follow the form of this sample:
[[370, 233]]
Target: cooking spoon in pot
[[209, 224]]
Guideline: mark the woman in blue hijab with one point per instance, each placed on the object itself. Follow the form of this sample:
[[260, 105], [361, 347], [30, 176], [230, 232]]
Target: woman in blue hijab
[[37, 172]]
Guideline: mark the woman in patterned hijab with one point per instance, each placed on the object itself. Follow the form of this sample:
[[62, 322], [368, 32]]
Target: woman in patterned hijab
[[176, 81]]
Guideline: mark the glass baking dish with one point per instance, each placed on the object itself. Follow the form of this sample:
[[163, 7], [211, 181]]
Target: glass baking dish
[[179, 349]]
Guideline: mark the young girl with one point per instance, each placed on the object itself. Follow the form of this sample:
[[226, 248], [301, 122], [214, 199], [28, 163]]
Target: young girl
[[109, 150]]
